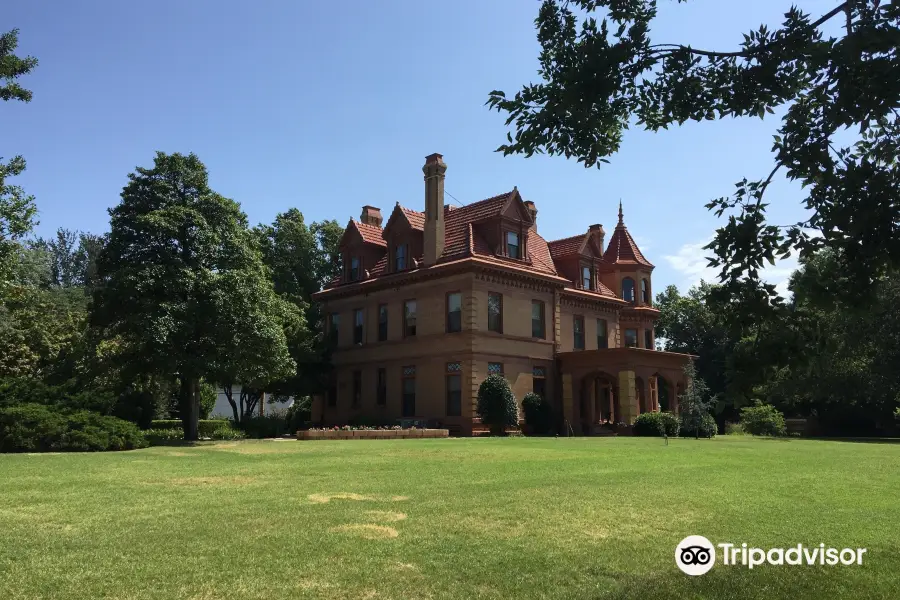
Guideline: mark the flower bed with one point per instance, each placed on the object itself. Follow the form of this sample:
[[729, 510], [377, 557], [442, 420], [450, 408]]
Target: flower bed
[[370, 433]]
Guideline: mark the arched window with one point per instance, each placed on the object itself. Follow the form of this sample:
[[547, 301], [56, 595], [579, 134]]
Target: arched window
[[645, 291], [628, 289]]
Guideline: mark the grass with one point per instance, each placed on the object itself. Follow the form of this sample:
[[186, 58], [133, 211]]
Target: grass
[[486, 518]]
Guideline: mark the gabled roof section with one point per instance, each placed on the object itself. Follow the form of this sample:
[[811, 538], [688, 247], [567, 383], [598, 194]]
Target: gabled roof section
[[369, 234], [622, 249], [566, 246], [457, 221], [416, 219], [412, 218], [578, 244]]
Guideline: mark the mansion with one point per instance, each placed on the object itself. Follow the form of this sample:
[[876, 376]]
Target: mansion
[[430, 303]]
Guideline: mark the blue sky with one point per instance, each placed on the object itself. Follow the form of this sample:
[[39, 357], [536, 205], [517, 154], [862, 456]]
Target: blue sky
[[294, 104]]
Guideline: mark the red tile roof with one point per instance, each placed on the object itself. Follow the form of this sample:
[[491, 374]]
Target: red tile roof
[[456, 224], [463, 239], [539, 253], [371, 234], [415, 218], [622, 250], [566, 246]]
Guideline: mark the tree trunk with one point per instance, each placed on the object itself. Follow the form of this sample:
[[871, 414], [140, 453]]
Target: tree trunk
[[190, 408], [229, 394]]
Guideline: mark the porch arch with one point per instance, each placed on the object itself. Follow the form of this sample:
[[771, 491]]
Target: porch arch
[[599, 399]]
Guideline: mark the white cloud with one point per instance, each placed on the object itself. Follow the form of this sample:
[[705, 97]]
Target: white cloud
[[690, 261]]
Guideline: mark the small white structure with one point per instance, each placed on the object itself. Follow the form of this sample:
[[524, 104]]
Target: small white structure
[[222, 409]]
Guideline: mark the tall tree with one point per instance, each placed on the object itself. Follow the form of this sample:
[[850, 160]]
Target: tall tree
[[17, 209], [73, 256], [840, 360], [182, 285], [839, 137], [302, 260]]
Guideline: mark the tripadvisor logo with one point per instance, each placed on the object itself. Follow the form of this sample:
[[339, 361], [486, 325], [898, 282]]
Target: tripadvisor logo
[[696, 555]]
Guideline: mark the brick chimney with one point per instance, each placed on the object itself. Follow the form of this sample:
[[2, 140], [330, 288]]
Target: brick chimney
[[599, 234], [532, 210], [371, 216], [434, 170]]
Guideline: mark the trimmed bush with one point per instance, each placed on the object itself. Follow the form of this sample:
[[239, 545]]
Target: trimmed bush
[[708, 427], [207, 426], [265, 427], [167, 437], [538, 414], [763, 419], [164, 437], [39, 428], [654, 424], [497, 404], [227, 432]]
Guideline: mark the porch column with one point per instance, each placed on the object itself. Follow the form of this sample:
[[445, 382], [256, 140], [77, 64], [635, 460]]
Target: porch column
[[567, 401], [628, 402], [612, 403], [591, 390], [654, 393]]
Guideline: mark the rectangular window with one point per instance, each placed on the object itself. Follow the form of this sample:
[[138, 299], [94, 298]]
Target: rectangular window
[[579, 332], [648, 339], [400, 257], [409, 318], [495, 312], [332, 395], [381, 389], [358, 326], [382, 322], [539, 381], [495, 369], [454, 389], [335, 328], [354, 268], [454, 312], [631, 338], [586, 279], [602, 334], [408, 407], [512, 245], [537, 319], [357, 388]]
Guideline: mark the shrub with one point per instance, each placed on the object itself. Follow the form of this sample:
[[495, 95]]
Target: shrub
[[299, 414], [264, 427], [734, 429], [762, 419], [207, 399], [39, 428], [163, 437], [497, 405], [707, 427], [656, 424], [207, 426], [538, 413], [226, 432]]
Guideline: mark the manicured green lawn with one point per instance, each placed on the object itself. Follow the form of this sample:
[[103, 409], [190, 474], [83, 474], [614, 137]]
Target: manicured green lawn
[[486, 518]]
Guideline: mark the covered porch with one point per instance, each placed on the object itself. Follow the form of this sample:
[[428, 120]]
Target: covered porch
[[605, 387]]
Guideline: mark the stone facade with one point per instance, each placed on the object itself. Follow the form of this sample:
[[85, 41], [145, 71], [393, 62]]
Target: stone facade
[[431, 303]]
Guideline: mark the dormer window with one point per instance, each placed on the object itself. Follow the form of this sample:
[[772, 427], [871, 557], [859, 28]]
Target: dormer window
[[513, 248], [354, 268], [400, 258], [587, 281]]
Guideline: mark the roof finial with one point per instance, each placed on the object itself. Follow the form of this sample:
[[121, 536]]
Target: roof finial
[[621, 221]]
